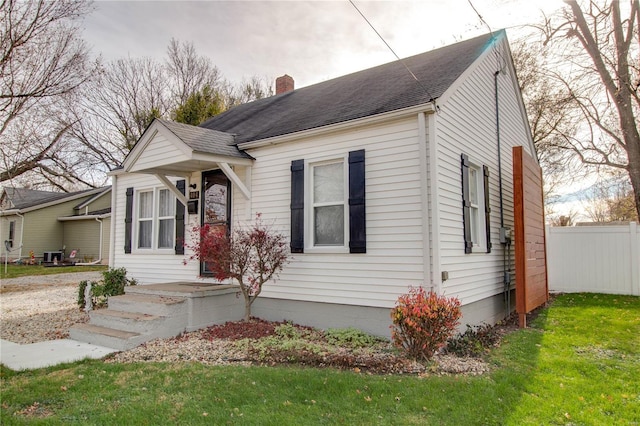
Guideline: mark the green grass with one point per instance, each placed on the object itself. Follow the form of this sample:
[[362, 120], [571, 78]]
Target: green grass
[[579, 363], [588, 367], [14, 271]]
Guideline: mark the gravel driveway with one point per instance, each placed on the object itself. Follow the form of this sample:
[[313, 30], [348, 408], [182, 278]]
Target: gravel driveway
[[38, 308]]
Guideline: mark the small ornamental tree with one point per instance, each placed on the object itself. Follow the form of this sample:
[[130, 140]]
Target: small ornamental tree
[[251, 256], [423, 322]]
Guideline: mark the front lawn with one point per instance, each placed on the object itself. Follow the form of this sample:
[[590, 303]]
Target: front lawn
[[579, 363], [15, 271]]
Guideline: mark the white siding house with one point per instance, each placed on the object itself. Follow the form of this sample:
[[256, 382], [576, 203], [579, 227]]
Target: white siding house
[[364, 174]]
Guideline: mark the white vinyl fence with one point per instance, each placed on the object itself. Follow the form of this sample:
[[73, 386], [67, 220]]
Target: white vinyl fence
[[597, 259]]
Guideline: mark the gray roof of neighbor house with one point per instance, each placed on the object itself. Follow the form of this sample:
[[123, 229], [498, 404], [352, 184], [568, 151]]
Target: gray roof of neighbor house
[[377, 90], [22, 198], [100, 212], [205, 140]]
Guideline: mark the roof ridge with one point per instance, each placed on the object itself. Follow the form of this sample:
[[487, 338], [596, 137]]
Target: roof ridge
[[383, 88]]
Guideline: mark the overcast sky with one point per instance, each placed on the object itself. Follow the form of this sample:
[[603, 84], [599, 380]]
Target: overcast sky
[[311, 41]]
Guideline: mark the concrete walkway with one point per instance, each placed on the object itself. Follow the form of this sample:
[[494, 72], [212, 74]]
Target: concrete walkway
[[45, 354]]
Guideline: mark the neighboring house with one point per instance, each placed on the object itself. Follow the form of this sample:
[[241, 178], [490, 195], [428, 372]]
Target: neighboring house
[[53, 224], [381, 182]]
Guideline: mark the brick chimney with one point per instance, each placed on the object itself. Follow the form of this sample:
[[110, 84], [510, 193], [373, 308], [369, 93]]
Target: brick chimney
[[284, 84]]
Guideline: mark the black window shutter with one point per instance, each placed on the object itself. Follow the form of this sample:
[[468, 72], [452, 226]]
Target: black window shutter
[[466, 205], [297, 206], [128, 220], [357, 212], [180, 185], [487, 207]]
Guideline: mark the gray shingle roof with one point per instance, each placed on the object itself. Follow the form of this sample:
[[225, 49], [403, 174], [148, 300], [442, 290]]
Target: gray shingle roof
[[385, 88], [22, 198], [205, 140], [100, 212]]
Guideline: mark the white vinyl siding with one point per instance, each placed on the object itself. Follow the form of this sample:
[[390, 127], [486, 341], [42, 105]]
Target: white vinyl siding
[[159, 152], [394, 258], [466, 123], [149, 266]]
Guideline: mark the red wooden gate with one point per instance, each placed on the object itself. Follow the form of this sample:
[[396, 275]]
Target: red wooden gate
[[532, 289]]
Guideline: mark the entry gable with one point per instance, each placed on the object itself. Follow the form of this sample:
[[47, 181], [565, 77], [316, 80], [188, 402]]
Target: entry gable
[[169, 148], [158, 147]]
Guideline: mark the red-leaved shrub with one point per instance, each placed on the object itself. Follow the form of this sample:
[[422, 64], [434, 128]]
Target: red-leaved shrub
[[251, 255], [423, 322]]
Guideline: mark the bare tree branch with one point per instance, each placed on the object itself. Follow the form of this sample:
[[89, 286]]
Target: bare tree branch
[[592, 55], [43, 62]]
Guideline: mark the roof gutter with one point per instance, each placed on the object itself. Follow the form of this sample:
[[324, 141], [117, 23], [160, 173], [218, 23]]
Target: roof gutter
[[83, 217], [346, 125], [10, 212]]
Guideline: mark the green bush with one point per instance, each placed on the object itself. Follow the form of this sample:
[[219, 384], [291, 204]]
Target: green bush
[[114, 281], [474, 342], [350, 337], [423, 322], [283, 350], [112, 284], [287, 331]]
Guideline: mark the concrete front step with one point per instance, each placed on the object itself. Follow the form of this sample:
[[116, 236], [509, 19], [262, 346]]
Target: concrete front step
[[154, 311], [134, 322], [133, 319], [149, 304], [104, 336], [184, 289]]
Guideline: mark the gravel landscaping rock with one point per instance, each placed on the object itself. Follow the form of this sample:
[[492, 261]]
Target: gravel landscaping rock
[[39, 308]]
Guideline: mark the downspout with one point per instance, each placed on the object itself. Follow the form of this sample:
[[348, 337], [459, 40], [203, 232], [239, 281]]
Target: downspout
[[21, 234], [505, 238], [96, 262], [495, 83]]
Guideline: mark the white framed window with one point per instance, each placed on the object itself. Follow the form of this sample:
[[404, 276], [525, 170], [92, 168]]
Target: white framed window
[[327, 228], [476, 199], [476, 212], [155, 219]]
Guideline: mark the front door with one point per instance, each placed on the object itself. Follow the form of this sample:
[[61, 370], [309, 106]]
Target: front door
[[216, 204]]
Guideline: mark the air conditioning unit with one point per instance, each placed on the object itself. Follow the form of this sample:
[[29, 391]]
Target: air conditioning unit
[[49, 256]]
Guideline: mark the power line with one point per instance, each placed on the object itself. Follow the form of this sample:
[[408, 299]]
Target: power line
[[392, 51], [481, 18], [499, 58]]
